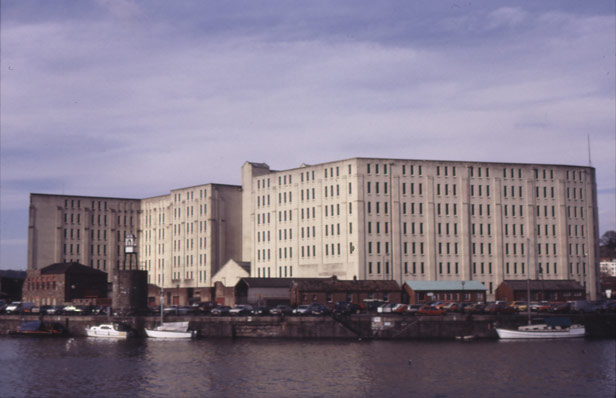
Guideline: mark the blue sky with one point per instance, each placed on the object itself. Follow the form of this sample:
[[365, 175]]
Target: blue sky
[[133, 98]]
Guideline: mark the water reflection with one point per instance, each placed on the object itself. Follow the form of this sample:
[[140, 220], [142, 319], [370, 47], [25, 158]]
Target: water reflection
[[282, 368]]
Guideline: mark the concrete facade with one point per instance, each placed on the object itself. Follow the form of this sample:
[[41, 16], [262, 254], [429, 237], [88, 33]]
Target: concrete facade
[[87, 230], [608, 267], [398, 219], [188, 235], [359, 218]]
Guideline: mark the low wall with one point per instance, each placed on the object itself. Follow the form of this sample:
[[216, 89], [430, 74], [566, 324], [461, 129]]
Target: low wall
[[363, 326]]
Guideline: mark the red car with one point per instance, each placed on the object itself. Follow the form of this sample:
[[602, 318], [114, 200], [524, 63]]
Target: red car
[[429, 310]]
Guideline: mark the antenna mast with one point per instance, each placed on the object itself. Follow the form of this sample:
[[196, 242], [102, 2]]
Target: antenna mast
[[589, 158]]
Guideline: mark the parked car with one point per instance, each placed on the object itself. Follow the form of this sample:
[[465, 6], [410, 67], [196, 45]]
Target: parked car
[[399, 309], [544, 306], [206, 307], [346, 308], [261, 310], [519, 305], [464, 307], [220, 310], [183, 310], [438, 304], [430, 310], [452, 307], [475, 308], [385, 308], [413, 308], [319, 309], [76, 310], [372, 305], [499, 308], [54, 310], [560, 307], [241, 309], [302, 310], [18, 307], [281, 309]]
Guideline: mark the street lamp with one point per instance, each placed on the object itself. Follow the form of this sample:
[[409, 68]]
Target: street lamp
[[463, 291]]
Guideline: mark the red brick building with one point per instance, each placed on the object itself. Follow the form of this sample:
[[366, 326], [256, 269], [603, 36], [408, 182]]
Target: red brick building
[[540, 290], [64, 283], [331, 290], [425, 292]]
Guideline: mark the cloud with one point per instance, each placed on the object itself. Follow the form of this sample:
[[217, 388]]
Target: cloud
[[93, 105], [120, 8], [507, 17]]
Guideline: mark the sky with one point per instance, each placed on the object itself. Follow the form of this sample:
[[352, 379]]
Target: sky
[[131, 98]]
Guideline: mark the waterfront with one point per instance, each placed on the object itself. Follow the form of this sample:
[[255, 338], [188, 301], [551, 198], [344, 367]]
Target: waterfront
[[77, 367]]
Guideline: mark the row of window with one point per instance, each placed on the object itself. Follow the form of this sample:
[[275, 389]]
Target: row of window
[[263, 272], [177, 197]]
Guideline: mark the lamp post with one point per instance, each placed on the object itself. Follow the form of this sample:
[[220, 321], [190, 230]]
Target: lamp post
[[463, 298], [391, 222]]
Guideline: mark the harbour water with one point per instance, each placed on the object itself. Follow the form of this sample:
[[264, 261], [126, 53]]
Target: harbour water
[[87, 367]]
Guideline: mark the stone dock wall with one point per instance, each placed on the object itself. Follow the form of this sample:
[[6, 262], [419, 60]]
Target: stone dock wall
[[363, 326]]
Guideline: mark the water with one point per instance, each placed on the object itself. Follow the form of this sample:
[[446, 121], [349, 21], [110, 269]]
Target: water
[[86, 367]]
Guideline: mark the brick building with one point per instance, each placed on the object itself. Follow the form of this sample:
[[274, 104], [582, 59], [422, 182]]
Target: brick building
[[330, 290], [64, 283], [540, 290], [418, 292]]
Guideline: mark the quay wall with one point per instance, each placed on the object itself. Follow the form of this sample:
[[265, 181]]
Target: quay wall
[[362, 326]]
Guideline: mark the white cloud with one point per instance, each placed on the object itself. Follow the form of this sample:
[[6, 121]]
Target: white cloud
[[120, 8], [91, 106], [505, 17]]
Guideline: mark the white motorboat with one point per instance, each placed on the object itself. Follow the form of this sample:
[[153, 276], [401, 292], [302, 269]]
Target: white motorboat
[[107, 330], [171, 330], [554, 328]]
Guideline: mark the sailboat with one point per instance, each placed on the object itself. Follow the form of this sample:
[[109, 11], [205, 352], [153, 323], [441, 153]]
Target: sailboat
[[170, 330], [553, 328]]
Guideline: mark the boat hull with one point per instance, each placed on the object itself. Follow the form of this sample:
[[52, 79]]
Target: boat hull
[[166, 334], [569, 333], [106, 331]]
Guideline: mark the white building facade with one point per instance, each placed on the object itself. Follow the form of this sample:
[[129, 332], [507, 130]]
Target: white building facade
[[422, 220], [363, 218]]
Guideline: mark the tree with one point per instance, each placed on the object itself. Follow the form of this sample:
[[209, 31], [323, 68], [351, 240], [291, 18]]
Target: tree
[[607, 245]]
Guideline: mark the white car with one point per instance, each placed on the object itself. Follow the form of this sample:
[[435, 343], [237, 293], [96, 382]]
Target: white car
[[241, 309], [302, 310]]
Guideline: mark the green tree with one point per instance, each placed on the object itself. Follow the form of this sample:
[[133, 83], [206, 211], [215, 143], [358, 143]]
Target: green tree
[[607, 245]]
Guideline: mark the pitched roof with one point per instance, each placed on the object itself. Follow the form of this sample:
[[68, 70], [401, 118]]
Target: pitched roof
[[270, 282], [555, 284], [333, 284], [444, 285], [12, 274], [245, 265], [72, 267]]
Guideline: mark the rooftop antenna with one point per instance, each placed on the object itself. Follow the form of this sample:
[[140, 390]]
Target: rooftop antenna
[[589, 158]]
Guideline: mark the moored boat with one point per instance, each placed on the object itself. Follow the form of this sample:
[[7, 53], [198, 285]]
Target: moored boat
[[171, 330], [39, 328], [553, 328], [108, 330]]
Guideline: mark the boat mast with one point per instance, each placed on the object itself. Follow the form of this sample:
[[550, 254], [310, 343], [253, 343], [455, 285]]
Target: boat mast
[[528, 279], [162, 296]]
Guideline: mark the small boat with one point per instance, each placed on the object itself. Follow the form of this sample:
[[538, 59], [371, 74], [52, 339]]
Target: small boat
[[553, 328], [465, 338], [108, 330], [38, 328], [171, 330]]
